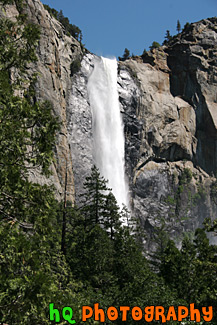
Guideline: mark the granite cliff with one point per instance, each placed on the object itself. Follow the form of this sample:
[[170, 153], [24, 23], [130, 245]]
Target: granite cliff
[[170, 121], [169, 105]]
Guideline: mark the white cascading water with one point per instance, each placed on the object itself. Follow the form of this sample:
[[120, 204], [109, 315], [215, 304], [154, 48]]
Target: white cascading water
[[108, 135]]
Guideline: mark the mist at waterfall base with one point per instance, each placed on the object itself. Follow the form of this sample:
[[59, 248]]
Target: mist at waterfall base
[[108, 134]]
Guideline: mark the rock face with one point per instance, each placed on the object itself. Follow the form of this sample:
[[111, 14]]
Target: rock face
[[170, 160], [168, 99], [192, 60], [169, 103], [56, 51], [79, 124]]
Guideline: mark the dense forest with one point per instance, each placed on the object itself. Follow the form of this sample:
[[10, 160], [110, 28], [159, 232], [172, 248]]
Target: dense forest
[[54, 253]]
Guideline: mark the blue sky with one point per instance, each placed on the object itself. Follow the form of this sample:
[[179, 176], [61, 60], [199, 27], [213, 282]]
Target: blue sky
[[110, 26]]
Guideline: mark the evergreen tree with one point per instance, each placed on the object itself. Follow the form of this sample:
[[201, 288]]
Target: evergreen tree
[[71, 29], [178, 26], [105, 256], [191, 272], [92, 225], [111, 218], [170, 264], [168, 37], [94, 197], [102, 261], [187, 25], [90, 256], [32, 269], [155, 45], [144, 52], [126, 54]]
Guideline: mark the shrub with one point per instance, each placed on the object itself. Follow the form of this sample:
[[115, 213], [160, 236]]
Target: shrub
[[155, 45], [75, 66]]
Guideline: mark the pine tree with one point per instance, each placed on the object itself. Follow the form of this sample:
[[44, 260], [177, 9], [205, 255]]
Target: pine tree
[[126, 54], [186, 26], [191, 272], [94, 197], [170, 264], [178, 26], [168, 37], [111, 218], [90, 249]]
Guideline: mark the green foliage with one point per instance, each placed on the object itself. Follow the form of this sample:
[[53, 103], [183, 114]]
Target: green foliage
[[18, 3], [51, 11], [186, 176], [17, 45], [94, 198], [155, 45], [111, 216], [170, 263], [178, 26], [210, 225], [125, 56], [75, 66], [103, 260], [180, 191], [191, 272], [181, 202], [200, 195], [213, 191], [32, 270], [104, 254], [73, 30], [186, 27], [168, 38], [27, 128]]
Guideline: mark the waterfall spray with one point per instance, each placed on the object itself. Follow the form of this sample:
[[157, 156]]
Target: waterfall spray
[[108, 135]]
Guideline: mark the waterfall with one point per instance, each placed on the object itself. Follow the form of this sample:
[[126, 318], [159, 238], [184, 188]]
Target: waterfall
[[108, 135]]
